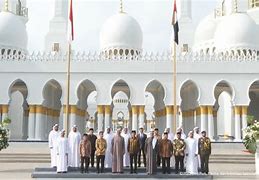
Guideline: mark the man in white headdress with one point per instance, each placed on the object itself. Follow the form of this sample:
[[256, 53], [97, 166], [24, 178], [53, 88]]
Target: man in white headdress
[[196, 134], [53, 139], [191, 153], [74, 139], [108, 136], [62, 153], [183, 135], [126, 158], [170, 134]]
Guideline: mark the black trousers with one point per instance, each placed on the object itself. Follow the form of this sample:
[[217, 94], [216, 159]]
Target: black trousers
[[92, 158], [205, 163], [179, 160], [166, 165], [84, 164], [141, 152], [133, 160], [158, 160], [99, 159]]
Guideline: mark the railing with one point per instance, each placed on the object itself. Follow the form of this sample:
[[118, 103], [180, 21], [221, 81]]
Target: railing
[[13, 55]]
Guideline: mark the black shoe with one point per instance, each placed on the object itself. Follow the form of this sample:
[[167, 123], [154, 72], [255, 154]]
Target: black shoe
[[131, 172]]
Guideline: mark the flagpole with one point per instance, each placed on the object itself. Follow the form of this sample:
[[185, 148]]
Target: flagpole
[[174, 86], [68, 89]]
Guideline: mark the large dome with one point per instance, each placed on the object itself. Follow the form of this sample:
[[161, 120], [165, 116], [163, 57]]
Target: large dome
[[13, 32], [121, 31], [237, 32]]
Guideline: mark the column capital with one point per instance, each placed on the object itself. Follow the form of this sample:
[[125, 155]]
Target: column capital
[[107, 109], [5, 108], [41, 109], [100, 109], [237, 110], [134, 109], [142, 109], [244, 109], [32, 109], [210, 110]]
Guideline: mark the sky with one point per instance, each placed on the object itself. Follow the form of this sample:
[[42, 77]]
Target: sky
[[154, 16]]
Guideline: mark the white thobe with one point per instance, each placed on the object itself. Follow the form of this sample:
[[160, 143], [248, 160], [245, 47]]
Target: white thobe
[[108, 154], [126, 156], [62, 152], [74, 139], [192, 158], [53, 139]]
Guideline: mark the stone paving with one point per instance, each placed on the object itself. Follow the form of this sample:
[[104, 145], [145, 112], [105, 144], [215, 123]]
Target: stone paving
[[25, 166]]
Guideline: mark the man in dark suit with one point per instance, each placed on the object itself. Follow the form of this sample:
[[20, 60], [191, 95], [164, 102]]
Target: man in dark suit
[[92, 138], [142, 139]]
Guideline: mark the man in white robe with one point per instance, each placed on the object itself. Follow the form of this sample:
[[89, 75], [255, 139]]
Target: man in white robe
[[108, 136], [197, 136], [53, 139], [62, 153], [74, 139], [191, 154], [126, 157]]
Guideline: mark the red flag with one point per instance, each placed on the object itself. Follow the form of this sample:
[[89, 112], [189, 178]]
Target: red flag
[[71, 22], [175, 24]]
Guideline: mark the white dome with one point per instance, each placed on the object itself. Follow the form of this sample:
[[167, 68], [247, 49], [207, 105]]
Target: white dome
[[13, 32], [237, 31], [205, 30], [121, 31]]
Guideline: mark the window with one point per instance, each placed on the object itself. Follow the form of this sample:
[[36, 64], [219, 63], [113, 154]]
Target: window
[[56, 47]]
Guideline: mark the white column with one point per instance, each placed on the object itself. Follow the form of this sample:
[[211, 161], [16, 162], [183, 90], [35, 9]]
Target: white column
[[107, 116], [237, 111], [5, 109], [100, 118], [210, 122], [135, 118], [40, 122], [204, 122], [198, 117], [142, 116], [257, 158], [169, 117], [31, 123], [244, 118]]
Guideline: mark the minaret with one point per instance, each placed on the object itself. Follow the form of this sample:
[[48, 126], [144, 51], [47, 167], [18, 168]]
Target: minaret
[[186, 10], [56, 39], [186, 32]]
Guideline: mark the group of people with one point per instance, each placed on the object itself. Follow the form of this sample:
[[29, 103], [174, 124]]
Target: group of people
[[130, 149]]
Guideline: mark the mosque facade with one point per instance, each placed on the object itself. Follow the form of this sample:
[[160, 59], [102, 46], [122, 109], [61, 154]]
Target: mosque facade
[[121, 85]]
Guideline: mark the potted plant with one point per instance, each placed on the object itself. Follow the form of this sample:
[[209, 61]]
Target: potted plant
[[251, 133], [4, 133]]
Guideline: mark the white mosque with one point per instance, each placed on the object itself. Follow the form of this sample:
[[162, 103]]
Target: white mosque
[[217, 74]]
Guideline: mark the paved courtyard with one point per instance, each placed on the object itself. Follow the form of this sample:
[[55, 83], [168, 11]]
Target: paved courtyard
[[20, 159]]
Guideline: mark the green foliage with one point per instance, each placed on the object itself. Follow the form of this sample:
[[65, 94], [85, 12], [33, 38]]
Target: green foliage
[[251, 134], [4, 133], [250, 120]]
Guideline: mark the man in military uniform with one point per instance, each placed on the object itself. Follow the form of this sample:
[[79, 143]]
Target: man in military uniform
[[133, 149], [204, 150], [166, 151], [179, 147]]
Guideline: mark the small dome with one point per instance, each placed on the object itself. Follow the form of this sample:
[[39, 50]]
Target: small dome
[[121, 31], [13, 32], [237, 31], [205, 31]]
